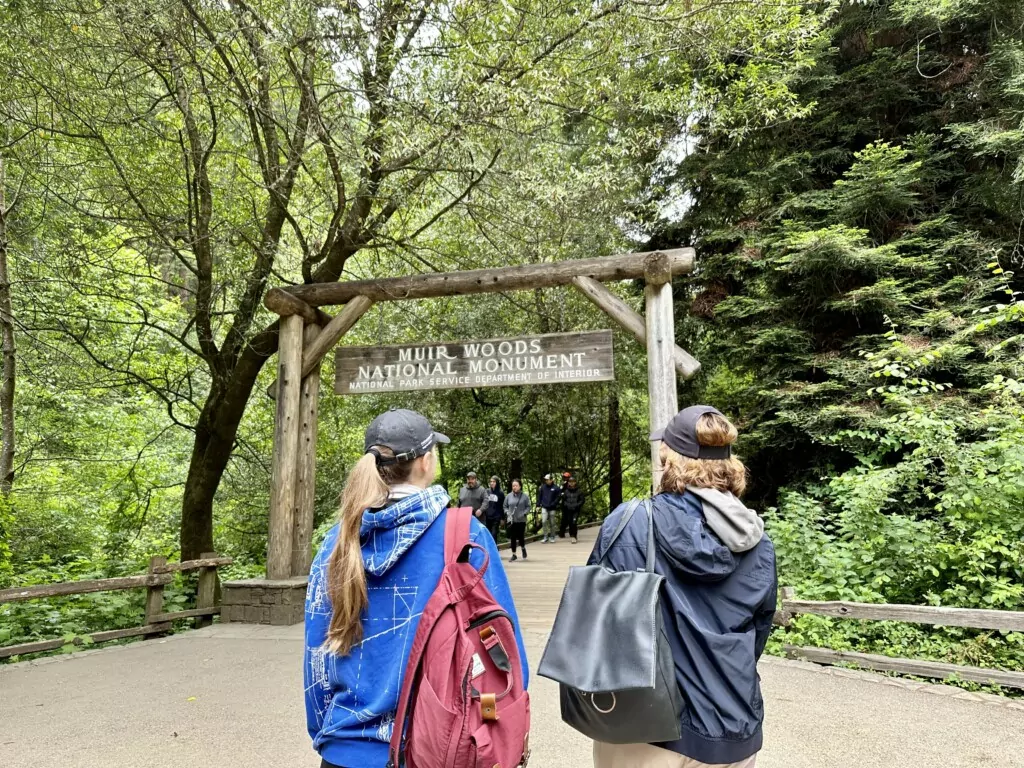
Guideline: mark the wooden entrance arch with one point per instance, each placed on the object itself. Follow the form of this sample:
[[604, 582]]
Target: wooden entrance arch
[[307, 333]]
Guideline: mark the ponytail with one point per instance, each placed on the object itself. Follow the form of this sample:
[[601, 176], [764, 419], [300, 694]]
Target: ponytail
[[367, 487], [346, 579]]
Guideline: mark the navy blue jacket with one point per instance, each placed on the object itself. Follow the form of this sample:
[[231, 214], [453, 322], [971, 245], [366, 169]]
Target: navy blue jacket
[[718, 607], [548, 496], [495, 511]]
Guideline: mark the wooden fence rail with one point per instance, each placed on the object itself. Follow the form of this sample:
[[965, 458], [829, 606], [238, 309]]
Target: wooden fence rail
[[160, 574], [1004, 621]]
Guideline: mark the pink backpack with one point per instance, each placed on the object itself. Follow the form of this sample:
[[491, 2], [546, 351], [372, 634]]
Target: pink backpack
[[463, 692]]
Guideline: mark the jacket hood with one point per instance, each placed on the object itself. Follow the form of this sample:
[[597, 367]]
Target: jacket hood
[[387, 534], [739, 527], [687, 542]]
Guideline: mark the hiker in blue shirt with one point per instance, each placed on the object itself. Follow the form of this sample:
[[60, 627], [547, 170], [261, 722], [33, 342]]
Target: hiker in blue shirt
[[369, 584]]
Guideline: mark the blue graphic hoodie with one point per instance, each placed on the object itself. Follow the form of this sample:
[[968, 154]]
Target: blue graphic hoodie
[[351, 700]]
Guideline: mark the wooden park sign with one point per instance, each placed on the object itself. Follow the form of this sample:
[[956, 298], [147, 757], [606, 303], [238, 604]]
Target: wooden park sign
[[553, 358], [307, 333]]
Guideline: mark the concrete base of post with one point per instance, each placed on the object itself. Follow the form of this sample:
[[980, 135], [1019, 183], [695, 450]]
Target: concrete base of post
[[264, 601]]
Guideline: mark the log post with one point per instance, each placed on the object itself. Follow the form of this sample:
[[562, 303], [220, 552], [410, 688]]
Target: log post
[[305, 491], [661, 371], [206, 596], [155, 594], [286, 444], [314, 351], [338, 327], [782, 616], [619, 311]]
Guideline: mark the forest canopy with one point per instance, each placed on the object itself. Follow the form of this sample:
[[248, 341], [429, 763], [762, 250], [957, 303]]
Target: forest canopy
[[849, 174]]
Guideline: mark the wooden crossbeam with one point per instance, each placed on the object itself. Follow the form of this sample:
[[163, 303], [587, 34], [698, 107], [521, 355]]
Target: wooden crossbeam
[[619, 311], [17, 594], [975, 618], [314, 352], [932, 669], [626, 266], [284, 304]]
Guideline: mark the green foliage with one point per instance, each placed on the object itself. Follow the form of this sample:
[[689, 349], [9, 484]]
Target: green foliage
[[850, 174], [859, 311], [866, 222], [939, 525]]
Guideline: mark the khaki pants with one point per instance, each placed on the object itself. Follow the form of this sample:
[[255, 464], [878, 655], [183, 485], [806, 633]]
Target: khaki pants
[[646, 756], [547, 518]]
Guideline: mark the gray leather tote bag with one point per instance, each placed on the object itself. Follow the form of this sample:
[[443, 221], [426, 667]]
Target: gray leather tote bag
[[610, 654]]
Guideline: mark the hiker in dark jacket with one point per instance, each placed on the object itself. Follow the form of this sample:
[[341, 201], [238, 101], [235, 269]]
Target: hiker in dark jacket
[[494, 507], [572, 504], [548, 497], [718, 600]]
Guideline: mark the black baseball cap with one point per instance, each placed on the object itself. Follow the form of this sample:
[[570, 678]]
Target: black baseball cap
[[405, 432], [681, 435]]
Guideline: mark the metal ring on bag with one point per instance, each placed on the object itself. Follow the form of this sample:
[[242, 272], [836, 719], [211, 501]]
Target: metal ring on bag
[[593, 700]]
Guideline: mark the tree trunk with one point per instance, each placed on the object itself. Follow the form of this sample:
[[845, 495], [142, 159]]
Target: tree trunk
[[216, 431], [614, 451], [7, 336], [515, 471]]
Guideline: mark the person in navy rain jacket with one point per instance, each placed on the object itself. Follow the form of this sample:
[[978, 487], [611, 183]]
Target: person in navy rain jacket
[[369, 584], [719, 595]]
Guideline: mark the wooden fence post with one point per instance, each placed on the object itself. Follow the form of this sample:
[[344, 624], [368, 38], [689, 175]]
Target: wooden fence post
[[206, 595], [305, 490], [661, 344], [286, 444], [155, 594], [782, 616]]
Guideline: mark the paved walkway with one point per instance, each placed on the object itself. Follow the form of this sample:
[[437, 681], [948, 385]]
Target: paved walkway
[[231, 697]]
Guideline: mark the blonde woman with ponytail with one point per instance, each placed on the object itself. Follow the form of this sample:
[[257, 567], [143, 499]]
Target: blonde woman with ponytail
[[369, 584], [718, 597]]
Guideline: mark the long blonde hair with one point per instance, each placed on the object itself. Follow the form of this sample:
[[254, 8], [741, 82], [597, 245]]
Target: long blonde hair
[[366, 488], [726, 475]]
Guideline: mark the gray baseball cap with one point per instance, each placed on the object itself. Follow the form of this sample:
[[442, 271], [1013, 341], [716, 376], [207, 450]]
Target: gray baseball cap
[[405, 432], [681, 435]]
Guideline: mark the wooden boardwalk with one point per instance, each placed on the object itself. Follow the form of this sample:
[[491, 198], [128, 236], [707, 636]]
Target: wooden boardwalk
[[537, 581], [230, 696]]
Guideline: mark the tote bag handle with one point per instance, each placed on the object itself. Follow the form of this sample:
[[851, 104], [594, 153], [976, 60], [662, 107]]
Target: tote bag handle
[[626, 517]]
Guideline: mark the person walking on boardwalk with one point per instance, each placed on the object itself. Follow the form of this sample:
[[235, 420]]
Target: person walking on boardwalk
[[718, 597], [473, 495], [572, 504], [369, 585], [517, 509], [548, 497], [494, 507]]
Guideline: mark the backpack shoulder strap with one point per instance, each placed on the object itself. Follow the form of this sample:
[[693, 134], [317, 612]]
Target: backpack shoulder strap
[[456, 537], [456, 532], [428, 618]]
